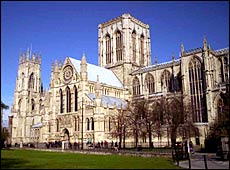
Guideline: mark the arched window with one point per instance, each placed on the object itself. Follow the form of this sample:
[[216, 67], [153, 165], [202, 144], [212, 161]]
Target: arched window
[[226, 69], [165, 80], [31, 81], [142, 50], [87, 123], [136, 86], [20, 107], [175, 112], [149, 83], [109, 124], [134, 45], [32, 104], [75, 98], [119, 46], [57, 128], [68, 100], [220, 105], [108, 49], [75, 124], [23, 76], [221, 71], [92, 124], [196, 90], [78, 123], [49, 127], [177, 82], [61, 101], [40, 105]]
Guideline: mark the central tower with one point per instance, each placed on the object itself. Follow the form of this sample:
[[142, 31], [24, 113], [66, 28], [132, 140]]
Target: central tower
[[124, 46]]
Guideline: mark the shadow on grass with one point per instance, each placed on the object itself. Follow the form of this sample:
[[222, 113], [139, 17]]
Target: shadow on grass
[[9, 163]]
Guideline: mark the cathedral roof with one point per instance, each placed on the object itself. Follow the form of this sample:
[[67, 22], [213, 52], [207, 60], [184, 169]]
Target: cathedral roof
[[222, 51], [106, 76], [37, 125], [109, 101], [156, 66]]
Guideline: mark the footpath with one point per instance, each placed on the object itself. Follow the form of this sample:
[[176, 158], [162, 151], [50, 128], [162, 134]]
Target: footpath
[[198, 162]]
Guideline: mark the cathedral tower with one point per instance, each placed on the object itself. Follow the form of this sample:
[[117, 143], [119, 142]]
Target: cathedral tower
[[26, 95], [124, 46]]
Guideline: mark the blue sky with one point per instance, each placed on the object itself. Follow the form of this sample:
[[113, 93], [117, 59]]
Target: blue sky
[[59, 29]]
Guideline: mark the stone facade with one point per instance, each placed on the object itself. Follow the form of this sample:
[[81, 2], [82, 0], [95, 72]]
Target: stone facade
[[80, 101]]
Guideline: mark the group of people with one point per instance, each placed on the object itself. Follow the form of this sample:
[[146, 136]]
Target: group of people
[[103, 144]]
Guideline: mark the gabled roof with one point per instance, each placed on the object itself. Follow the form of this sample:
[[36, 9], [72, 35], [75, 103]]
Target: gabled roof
[[106, 76], [109, 101]]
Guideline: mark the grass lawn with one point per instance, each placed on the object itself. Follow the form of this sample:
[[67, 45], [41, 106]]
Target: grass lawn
[[32, 159]]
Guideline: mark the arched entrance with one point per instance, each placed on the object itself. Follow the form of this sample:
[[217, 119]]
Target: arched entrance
[[65, 142], [66, 134]]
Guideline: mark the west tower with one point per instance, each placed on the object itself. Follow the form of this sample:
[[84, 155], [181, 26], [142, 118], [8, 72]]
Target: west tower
[[26, 95]]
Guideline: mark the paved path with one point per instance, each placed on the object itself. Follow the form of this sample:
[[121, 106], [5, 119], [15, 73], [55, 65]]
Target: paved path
[[197, 162]]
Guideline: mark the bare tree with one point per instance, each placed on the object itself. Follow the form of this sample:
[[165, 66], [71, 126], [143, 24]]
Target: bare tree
[[120, 126]]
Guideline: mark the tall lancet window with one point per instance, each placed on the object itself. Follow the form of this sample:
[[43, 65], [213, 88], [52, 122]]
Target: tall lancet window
[[149, 83], [221, 70], [20, 107], [57, 127], [142, 50], [226, 69], [75, 98], [87, 124], [196, 90], [165, 80], [136, 86], [92, 124], [220, 105], [61, 101], [119, 46], [108, 49], [32, 104], [134, 45], [31, 81], [75, 124], [23, 76], [68, 100]]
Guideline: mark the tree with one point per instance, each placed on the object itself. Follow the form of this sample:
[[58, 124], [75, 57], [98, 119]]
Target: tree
[[4, 133], [176, 115], [120, 125], [134, 120], [220, 127], [3, 106], [144, 119]]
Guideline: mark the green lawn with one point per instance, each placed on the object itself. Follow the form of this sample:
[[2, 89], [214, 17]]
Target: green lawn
[[16, 159]]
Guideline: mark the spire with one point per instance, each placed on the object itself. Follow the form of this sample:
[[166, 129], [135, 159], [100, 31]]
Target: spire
[[173, 57], [21, 56], [33, 56], [83, 59], [28, 54], [182, 49], [205, 43], [98, 88], [84, 75], [156, 61], [40, 56]]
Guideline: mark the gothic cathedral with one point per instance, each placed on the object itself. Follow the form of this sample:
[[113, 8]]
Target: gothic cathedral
[[83, 99]]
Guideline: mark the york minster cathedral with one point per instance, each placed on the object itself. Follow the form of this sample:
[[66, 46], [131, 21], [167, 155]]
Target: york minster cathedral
[[82, 97]]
